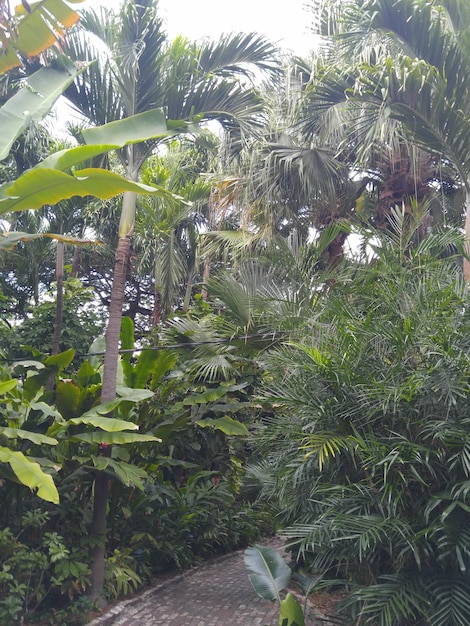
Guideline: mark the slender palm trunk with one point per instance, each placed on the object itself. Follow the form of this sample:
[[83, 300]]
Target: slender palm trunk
[[59, 309], [108, 390], [157, 309], [206, 274]]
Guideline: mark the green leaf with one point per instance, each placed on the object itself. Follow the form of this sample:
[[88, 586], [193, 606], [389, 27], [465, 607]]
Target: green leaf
[[66, 159], [37, 438], [33, 102], [144, 367], [30, 474], [8, 240], [211, 395], [269, 573], [129, 394], [108, 424], [140, 127], [63, 359], [41, 26], [113, 437], [291, 613], [7, 385], [166, 361], [38, 187], [67, 398], [129, 475], [226, 424]]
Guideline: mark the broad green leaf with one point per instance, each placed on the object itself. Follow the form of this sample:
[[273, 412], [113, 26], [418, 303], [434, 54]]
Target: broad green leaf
[[9, 240], [166, 361], [33, 102], [38, 187], [269, 573], [7, 385], [144, 368], [108, 424], [61, 360], [87, 375], [140, 127], [29, 473], [211, 395], [35, 30], [66, 159], [134, 395], [67, 398], [291, 613], [113, 438], [169, 426], [96, 351], [42, 25], [37, 438], [46, 410], [129, 475], [226, 424]]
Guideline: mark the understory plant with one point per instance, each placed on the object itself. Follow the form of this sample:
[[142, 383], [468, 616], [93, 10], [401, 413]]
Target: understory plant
[[367, 457]]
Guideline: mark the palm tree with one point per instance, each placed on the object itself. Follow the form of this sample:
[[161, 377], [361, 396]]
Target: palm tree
[[136, 70], [405, 88]]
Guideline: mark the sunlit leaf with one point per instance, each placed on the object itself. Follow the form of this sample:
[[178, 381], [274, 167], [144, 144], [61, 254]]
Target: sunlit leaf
[[29, 473]]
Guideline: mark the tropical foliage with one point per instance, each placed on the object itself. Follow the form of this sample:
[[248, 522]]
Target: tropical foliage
[[243, 327], [366, 460]]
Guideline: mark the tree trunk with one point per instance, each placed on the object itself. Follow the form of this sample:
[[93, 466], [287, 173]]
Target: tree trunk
[[75, 262], [206, 274], [108, 390], [157, 309], [59, 309]]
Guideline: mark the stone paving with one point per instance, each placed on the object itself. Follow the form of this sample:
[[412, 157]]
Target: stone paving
[[218, 593]]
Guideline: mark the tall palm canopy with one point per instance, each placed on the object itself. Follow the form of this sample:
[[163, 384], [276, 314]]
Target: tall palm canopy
[[408, 81]]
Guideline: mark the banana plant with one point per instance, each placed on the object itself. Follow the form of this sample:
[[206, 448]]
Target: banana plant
[[34, 27], [78, 425], [269, 575]]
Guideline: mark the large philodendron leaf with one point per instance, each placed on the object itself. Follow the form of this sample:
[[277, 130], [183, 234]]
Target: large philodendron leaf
[[269, 573], [38, 187], [36, 27], [33, 102], [29, 473]]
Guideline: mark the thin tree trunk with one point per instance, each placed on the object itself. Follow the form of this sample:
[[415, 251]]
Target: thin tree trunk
[[108, 390], [205, 276], [75, 262], [157, 309], [59, 309]]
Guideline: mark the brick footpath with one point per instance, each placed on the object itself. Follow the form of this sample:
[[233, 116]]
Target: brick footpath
[[218, 593]]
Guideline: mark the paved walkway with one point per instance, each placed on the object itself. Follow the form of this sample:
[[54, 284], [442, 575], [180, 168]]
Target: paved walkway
[[216, 594]]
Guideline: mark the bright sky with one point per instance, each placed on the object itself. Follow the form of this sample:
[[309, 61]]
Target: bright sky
[[286, 24]]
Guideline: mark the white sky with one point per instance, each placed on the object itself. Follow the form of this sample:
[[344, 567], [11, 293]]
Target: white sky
[[284, 23]]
